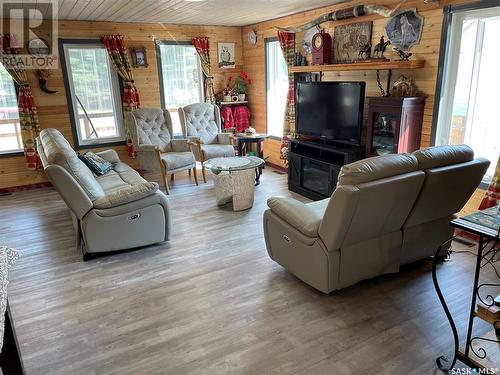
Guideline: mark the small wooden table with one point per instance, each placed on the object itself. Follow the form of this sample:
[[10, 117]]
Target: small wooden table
[[243, 139], [487, 236]]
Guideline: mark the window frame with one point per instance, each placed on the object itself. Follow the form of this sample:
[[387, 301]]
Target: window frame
[[160, 43], [266, 42], [444, 56], [13, 153], [69, 97], [446, 39]]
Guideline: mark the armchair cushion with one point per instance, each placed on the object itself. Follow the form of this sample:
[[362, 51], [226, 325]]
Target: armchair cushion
[[217, 151], [176, 160], [126, 195], [306, 218]]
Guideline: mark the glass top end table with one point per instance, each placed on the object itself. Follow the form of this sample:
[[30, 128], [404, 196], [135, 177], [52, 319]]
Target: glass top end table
[[237, 184]]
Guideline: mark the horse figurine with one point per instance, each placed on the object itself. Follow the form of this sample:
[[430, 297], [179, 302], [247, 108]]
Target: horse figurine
[[364, 51], [380, 48]]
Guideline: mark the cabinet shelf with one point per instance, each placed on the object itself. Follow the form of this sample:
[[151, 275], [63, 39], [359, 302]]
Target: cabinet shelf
[[372, 65]]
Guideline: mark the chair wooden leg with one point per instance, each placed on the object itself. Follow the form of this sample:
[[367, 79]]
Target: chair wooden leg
[[195, 174], [189, 172], [163, 173], [172, 177], [203, 173]]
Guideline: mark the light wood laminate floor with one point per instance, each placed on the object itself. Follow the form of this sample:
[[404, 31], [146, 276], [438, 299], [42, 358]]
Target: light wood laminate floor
[[211, 301]]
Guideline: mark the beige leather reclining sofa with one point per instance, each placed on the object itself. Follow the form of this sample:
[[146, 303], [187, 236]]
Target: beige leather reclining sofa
[[118, 210], [386, 211]]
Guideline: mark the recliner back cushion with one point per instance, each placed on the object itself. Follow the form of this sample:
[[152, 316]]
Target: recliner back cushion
[[200, 122], [446, 190], [152, 128], [361, 212], [440, 156], [58, 151], [376, 168]]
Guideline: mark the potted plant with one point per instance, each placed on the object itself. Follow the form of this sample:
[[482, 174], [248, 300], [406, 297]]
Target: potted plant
[[241, 85], [228, 88]]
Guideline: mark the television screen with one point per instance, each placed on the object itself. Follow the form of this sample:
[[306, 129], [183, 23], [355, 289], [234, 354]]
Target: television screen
[[330, 110]]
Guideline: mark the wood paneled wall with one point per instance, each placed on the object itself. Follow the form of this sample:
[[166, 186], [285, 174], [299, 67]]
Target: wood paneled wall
[[53, 109], [425, 79]]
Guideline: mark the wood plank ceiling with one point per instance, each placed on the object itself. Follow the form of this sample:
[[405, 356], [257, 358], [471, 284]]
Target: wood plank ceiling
[[205, 12]]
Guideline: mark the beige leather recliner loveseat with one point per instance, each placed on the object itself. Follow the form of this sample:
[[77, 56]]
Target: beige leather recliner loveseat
[[118, 210], [386, 211]]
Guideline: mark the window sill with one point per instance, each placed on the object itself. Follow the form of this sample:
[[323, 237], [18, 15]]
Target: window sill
[[100, 145], [11, 154]]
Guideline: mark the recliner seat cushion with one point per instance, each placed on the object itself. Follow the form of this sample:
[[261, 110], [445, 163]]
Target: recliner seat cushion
[[126, 195], [200, 122], [151, 128], [121, 176], [440, 156], [377, 168], [58, 151], [217, 151]]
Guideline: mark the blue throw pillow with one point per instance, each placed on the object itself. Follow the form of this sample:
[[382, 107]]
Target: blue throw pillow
[[96, 164]]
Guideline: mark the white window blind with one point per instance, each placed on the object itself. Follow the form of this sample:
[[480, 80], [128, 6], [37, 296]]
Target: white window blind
[[10, 131], [276, 88], [95, 94], [468, 108], [182, 79]]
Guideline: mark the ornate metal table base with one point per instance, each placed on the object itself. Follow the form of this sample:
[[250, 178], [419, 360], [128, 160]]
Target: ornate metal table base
[[464, 356]]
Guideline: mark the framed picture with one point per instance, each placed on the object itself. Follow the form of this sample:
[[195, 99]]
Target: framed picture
[[225, 53], [349, 39], [139, 57]]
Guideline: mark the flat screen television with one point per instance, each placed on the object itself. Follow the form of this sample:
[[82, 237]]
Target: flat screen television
[[330, 110]]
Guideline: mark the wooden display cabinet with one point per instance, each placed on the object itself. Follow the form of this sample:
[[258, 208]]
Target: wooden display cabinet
[[394, 125]]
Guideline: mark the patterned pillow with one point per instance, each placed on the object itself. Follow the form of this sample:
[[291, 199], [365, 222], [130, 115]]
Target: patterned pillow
[[96, 164]]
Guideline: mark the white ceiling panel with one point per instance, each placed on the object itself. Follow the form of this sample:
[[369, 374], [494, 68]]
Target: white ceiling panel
[[207, 12]]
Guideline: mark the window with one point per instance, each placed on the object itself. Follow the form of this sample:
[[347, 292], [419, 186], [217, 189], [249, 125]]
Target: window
[[276, 88], [10, 129], [181, 78], [95, 98], [469, 101]]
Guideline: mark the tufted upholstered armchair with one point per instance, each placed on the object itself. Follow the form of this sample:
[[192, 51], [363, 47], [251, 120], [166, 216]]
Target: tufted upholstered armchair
[[201, 124], [151, 131]]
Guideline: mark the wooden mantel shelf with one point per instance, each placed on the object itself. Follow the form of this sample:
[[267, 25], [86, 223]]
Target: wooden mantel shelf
[[375, 65]]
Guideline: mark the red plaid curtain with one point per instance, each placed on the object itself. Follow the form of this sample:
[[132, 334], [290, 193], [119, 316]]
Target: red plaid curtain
[[28, 117], [202, 46], [492, 197], [287, 44], [118, 54]]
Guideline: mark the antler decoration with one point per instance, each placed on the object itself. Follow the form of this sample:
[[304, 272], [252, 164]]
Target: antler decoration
[[342, 14]]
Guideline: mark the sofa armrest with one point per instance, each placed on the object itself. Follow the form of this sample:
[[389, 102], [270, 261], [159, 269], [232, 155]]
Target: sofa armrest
[[179, 145], [297, 214], [225, 138], [109, 155], [126, 195]]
